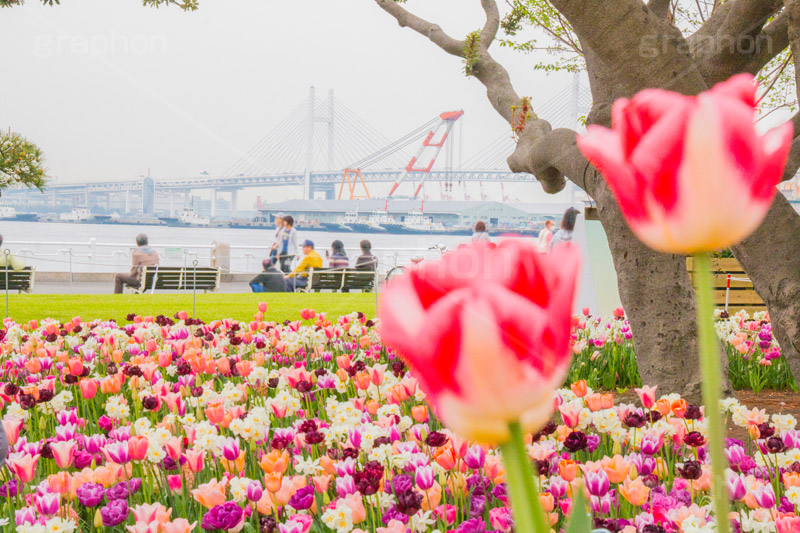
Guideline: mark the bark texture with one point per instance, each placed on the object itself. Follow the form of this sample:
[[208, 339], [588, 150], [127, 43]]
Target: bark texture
[[659, 300]]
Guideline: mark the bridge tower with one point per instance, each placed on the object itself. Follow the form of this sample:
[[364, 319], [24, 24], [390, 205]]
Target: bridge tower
[[313, 119]]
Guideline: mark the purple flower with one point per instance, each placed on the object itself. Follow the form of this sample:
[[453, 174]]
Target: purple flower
[[225, 516], [134, 484], [114, 513], [303, 499], [118, 492], [393, 514], [475, 525], [82, 460], [10, 489], [592, 443], [499, 492], [90, 494], [402, 483]]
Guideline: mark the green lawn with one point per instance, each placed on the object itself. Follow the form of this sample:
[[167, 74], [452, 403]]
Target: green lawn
[[24, 307]]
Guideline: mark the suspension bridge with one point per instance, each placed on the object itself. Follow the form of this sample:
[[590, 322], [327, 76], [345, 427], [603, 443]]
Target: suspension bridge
[[326, 149]]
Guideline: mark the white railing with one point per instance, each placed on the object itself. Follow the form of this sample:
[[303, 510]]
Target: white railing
[[94, 256]]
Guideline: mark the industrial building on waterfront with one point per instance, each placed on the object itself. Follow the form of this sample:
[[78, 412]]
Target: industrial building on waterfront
[[448, 213]]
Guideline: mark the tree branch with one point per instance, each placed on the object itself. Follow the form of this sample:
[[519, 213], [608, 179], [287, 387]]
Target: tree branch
[[637, 47], [660, 7], [492, 25], [737, 38], [734, 18], [428, 29], [550, 155], [770, 42]]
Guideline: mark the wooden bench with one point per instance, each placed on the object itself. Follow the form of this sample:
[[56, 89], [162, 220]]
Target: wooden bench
[[18, 280], [179, 279], [341, 279], [742, 295]]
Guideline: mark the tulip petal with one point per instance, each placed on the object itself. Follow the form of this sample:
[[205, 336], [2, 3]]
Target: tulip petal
[[776, 144], [659, 153], [741, 87], [603, 148]]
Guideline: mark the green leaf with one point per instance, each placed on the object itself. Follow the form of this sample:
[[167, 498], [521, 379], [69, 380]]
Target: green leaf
[[579, 521]]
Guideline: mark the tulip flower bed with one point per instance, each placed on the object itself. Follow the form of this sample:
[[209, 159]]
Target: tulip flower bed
[[605, 357], [172, 426]]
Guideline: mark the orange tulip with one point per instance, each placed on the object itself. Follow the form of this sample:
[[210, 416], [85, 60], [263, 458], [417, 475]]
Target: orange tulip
[[663, 406], [210, 494], [274, 461], [579, 388], [567, 469], [791, 479], [635, 491], [273, 481], [616, 468], [445, 457], [419, 413], [678, 408], [594, 402]]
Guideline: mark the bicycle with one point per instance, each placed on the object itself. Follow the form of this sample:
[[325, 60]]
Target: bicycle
[[398, 270]]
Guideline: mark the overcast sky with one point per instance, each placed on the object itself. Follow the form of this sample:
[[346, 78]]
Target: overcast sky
[[110, 89]]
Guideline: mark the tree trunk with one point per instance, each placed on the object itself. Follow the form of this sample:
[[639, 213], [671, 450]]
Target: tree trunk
[[771, 258], [659, 300]]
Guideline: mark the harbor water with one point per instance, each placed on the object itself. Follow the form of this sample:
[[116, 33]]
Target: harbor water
[[87, 247]]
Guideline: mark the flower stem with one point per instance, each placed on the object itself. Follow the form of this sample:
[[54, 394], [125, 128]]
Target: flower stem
[[710, 370], [523, 494]]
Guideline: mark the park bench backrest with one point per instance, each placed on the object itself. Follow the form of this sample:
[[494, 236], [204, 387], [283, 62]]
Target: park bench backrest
[[325, 280], [360, 279], [18, 280], [338, 279], [180, 278]]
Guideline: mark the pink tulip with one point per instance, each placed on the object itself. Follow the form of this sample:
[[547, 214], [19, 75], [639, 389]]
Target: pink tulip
[[647, 395], [788, 524], [143, 527], [195, 460], [23, 465], [12, 427], [88, 388], [486, 330], [62, 453], [571, 413], [137, 447], [179, 525], [690, 173]]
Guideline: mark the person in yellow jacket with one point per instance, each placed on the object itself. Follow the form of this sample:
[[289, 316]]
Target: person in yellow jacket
[[298, 278]]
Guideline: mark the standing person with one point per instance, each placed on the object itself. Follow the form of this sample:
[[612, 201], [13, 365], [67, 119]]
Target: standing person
[[366, 261], [143, 256], [14, 262], [270, 279], [338, 256], [564, 234], [545, 236], [298, 278], [480, 233], [273, 251], [288, 244]]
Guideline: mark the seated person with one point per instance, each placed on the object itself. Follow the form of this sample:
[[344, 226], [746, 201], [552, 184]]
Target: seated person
[[298, 278], [338, 257], [143, 256], [366, 261], [13, 262], [270, 279]]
